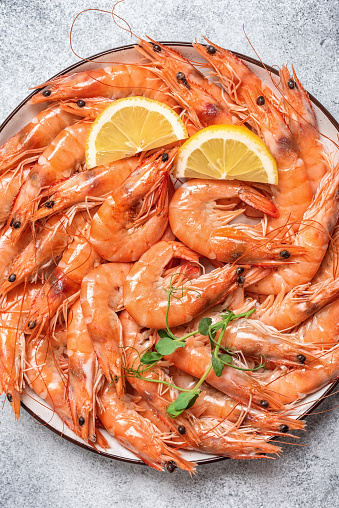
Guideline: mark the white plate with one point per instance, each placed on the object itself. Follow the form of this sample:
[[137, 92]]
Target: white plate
[[21, 116]]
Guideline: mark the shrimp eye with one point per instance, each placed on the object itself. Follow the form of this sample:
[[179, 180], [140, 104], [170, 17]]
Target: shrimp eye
[[264, 403], [164, 157], [81, 421], [239, 270], [211, 50], [81, 103], [156, 48], [181, 77], [46, 93], [291, 83], [170, 466], [240, 280], [12, 277], [285, 254], [284, 428], [9, 397], [49, 204], [31, 325], [301, 359], [181, 429], [116, 379], [16, 224], [261, 100]]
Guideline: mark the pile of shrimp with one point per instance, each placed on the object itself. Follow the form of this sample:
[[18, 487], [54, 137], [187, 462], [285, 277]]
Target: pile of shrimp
[[87, 257]]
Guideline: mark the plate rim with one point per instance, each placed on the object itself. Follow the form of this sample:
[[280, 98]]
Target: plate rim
[[74, 66]]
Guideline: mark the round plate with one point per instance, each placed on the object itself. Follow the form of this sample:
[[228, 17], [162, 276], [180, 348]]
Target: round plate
[[24, 113]]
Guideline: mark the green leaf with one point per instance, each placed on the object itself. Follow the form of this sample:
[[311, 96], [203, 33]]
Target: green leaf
[[167, 346], [217, 365], [184, 401], [150, 357], [163, 333], [204, 325], [226, 359]]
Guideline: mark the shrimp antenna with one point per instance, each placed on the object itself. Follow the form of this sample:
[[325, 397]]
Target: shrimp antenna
[[114, 16]]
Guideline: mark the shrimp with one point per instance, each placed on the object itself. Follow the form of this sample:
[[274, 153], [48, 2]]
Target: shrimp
[[64, 282], [322, 328], [165, 58], [60, 159], [198, 220], [45, 248], [76, 189], [303, 125], [212, 403], [221, 438], [12, 343], [10, 182], [255, 339], [286, 312], [137, 341], [135, 216], [195, 359], [46, 375], [329, 267], [313, 235], [297, 384], [145, 279], [113, 82], [137, 433], [233, 73], [35, 136], [89, 109], [293, 195], [101, 297], [82, 374], [10, 251]]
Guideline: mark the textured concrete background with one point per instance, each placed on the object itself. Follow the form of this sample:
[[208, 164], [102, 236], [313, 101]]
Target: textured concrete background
[[36, 467]]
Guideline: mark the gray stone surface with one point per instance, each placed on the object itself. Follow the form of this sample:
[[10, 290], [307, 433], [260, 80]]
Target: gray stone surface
[[38, 468]]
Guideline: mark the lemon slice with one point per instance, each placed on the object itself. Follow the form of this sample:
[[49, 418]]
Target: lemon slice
[[226, 152], [129, 126]]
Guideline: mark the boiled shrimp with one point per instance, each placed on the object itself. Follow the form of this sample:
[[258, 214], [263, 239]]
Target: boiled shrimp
[[10, 182], [136, 342], [304, 126], [212, 403], [60, 159], [35, 136], [89, 109], [313, 235], [286, 312], [322, 329], [44, 249], [135, 216], [12, 344], [195, 359], [293, 195], [46, 374], [297, 384], [82, 186], [233, 73], [165, 58], [137, 433], [82, 374], [101, 297], [114, 82], [64, 282], [198, 220], [145, 279]]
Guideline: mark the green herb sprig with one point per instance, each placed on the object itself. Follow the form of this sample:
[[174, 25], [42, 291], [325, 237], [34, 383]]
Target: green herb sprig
[[169, 343]]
